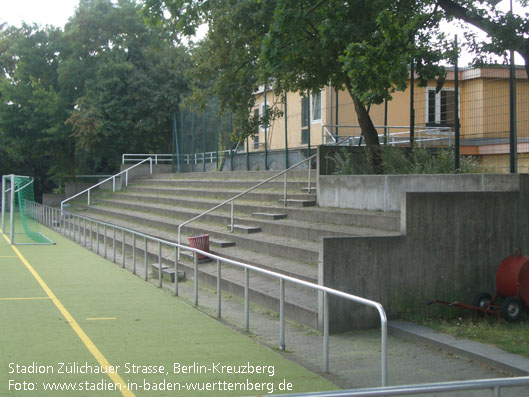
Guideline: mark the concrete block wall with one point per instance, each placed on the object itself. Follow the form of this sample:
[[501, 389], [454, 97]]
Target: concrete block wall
[[450, 248], [383, 192]]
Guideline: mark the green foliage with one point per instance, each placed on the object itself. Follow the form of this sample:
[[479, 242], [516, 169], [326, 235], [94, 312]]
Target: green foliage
[[304, 46], [74, 100], [400, 161]]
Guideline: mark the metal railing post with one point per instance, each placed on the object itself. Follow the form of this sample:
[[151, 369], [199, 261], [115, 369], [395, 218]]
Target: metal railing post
[[105, 240], [114, 184], [218, 289], [496, 391], [285, 189], [160, 264], [145, 260], [150, 165], [175, 272], [84, 233], [246, 299], [126, 177], [231, 217], [281, 314], [91, 239], [123, 250], [325, 332], [88, 197], [97, 238], [195, 281], [133, 253], [309, 186], [114, 244]]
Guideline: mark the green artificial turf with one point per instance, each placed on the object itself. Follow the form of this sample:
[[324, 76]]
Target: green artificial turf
[[135, 324]]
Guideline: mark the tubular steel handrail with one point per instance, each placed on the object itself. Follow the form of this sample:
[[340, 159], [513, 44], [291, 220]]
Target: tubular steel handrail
[[72, 227], [232, 199], [352, 139], [443, 387], [190, 158], [113, 177]]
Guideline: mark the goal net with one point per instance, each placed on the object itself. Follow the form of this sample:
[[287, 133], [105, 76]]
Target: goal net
[[19, 212]]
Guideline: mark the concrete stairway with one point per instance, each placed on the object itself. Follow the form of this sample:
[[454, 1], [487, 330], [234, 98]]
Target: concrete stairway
[[267, 234]]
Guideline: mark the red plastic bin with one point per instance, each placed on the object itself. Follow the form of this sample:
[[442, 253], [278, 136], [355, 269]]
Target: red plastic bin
[[201, 243]]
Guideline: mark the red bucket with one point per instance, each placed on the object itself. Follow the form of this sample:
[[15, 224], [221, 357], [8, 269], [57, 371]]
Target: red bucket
[[201, 243]]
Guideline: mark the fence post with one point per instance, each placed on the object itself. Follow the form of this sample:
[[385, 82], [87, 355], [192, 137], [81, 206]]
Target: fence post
[[195, 281], [246, 299], [325, 332], [145, 260], [281, 314], [218, 289], [175, 272]]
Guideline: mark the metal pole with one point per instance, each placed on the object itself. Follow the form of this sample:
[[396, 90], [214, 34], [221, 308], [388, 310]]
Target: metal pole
[[231, 215], [204, 125], [285, 188], [265, 129], [114, 245], [246, 300], [195, 281], [175, 272], [281, 314], [193, 136], [325, 332], [308, 124], [133, 253], [145, 260], [123, 250], [217, 123], [286, 132], [97, 238], [336, 118], [84, 233], [173, 146], [12, 211], [91, 240], [456, 105], [181, 146], [218, 289], [386, 121], [513, 142], [247, 154], [3, 203], [412, 107], [159, 264], [104, 239]]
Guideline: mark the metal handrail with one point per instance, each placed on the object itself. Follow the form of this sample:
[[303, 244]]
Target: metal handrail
[[113, 177], [52, 217], [232, 199], [442, 387], [168, 157]]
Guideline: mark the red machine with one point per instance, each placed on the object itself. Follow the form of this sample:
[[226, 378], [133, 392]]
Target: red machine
[[512, 284]]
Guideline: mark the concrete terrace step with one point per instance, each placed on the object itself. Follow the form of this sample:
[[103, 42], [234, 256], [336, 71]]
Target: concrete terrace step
[[259, 176], [287, 247], [372, 219], [304, 230], [219, 194], [221, 184], [300, 302]]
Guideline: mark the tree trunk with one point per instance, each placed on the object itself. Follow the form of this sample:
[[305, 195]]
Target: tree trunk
[[370, 135]]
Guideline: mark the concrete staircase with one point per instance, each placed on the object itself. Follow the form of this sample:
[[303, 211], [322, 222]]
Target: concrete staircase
[[266, 234]]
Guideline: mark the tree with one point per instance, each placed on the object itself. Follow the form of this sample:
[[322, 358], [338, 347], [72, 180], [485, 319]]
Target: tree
[[506, 31], [364, 46], [125, 80], [31, 109]]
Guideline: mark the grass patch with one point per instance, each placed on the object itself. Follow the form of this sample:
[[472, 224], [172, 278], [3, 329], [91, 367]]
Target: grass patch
[[511, 337]]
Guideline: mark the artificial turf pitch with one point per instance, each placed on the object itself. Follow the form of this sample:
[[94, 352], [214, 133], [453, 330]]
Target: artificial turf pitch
[[66, 314]]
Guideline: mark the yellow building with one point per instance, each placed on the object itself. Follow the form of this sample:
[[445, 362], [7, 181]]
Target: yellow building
[[483, 111]]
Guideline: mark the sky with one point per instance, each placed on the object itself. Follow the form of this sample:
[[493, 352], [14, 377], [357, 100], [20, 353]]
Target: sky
[[57, 12]]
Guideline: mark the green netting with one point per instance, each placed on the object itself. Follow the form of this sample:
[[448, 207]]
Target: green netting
[[23, 219]]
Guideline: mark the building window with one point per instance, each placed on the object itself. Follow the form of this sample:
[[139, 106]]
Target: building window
[[440, 107], [257, 130], [316, 108]]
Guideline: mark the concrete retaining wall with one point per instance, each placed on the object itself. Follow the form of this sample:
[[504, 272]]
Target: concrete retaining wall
[[450, 248], [384, 192]]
